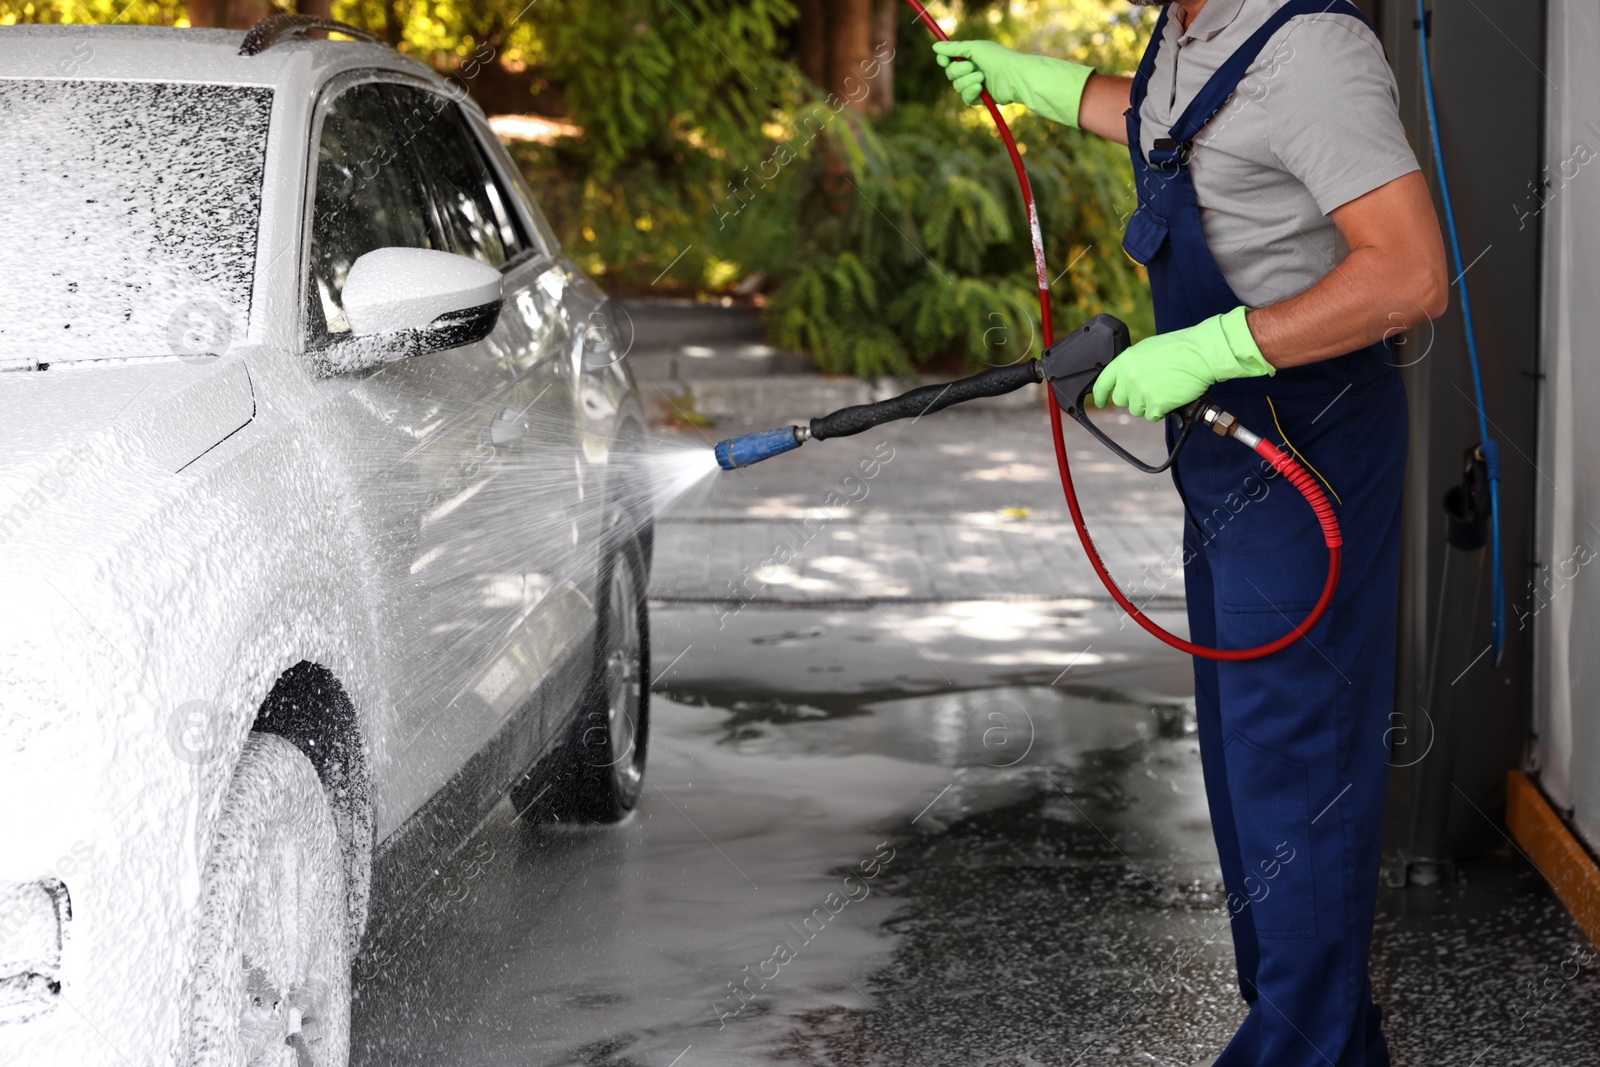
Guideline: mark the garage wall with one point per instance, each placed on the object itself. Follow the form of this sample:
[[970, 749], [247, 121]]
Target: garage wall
[[1489, 74], [1562, 604]]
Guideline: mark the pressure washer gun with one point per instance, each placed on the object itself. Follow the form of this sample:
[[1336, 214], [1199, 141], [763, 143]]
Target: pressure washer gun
[[1069, 367]]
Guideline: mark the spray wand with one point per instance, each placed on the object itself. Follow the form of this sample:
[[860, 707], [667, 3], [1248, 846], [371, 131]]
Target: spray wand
[[1069, 367]]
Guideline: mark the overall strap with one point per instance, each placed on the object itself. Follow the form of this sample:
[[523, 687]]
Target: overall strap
[[1210, 99], [1147, 65]]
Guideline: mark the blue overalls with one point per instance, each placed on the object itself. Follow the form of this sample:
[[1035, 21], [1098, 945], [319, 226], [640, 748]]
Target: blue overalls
[[1294, 747]]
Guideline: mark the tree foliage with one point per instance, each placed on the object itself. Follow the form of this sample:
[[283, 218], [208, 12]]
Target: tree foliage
[[939, 226], [673, 98], [932, 257], [924, 253], [702, 157], [136, 13]]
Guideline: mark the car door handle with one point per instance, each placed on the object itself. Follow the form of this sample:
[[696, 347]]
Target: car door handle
[[508, 427]]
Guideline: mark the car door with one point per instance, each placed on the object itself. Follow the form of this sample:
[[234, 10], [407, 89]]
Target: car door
[[582, 342], [536, 613], [426, 460]]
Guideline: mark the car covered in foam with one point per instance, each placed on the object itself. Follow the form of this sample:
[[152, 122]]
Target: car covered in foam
[[323, 523]]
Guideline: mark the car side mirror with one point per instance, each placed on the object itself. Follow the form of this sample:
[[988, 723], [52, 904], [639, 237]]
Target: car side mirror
[[403, 302]]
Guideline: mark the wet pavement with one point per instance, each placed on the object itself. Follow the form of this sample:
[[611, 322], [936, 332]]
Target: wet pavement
[[916, 830]]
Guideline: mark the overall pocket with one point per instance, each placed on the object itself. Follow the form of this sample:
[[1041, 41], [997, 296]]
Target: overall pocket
[[1145, 235]]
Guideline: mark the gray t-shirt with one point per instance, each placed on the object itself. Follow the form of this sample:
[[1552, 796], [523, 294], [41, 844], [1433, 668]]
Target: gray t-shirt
[[1314, 125]]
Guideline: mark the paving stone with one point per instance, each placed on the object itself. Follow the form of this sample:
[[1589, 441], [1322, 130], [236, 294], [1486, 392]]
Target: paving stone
[[920, 559], [962, 505]]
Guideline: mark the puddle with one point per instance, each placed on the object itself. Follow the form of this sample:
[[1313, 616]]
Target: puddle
[[1017, 874], [997, 726], [1078, 923], [816, 824], [789, 637]]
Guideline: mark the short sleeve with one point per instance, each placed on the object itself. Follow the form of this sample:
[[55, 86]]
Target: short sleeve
[[1334, 121]]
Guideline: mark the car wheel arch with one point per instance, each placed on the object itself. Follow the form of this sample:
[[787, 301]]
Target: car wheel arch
[[310, 707], [305, 677]]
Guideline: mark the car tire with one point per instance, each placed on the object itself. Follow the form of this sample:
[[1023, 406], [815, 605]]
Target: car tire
[[602, 767], [272, 972]]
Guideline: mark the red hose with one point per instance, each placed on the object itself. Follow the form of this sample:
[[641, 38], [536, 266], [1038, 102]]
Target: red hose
[[1291, 470], [1034, 233], [1297, 477]]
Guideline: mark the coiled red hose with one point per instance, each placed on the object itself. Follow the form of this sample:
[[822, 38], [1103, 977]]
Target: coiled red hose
[[1296, 474]]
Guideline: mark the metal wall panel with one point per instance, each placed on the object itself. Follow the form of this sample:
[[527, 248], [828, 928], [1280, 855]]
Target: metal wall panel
[[1488, 58], [1563, 602]]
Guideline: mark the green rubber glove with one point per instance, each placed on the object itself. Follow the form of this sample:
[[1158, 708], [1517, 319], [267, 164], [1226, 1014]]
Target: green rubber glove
[[1169, 370], [1045, 86]]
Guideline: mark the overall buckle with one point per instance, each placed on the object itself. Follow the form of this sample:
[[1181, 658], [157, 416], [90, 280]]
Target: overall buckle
[[1168, 153]]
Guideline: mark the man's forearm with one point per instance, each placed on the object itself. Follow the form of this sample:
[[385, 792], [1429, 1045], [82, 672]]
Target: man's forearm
[[1102, 107], [1370, 296], [1394, 278]]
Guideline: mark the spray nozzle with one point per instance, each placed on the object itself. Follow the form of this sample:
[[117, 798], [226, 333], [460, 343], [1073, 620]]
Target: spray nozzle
[[750, 448]]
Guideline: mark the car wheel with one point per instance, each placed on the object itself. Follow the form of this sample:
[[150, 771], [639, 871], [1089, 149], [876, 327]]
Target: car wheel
[[272, 976], [604, 765]]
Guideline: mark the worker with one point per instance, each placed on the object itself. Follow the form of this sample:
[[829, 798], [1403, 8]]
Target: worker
[[1288, 234]]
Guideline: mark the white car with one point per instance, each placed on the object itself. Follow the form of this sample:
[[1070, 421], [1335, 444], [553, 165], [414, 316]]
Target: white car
[[323, 521]]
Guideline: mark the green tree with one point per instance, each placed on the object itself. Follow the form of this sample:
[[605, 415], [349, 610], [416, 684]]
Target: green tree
[[674, 98], [931, 258], [137, 13], [809, 148]]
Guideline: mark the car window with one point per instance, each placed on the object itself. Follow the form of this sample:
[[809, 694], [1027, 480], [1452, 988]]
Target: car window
[[469, 218], [367, 198], [510, 225], [519, 191]]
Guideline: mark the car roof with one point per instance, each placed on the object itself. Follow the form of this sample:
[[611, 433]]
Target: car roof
[[162, 53]]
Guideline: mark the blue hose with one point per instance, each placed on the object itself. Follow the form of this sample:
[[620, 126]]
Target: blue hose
[[1487, 445]]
